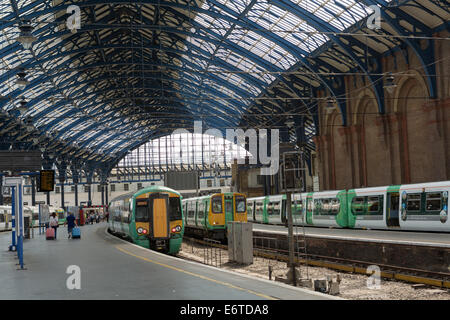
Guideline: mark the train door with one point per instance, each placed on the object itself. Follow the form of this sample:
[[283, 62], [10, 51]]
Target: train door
[[392, 209], [284, 217], [159, 216], [309, 210], [228, 209]]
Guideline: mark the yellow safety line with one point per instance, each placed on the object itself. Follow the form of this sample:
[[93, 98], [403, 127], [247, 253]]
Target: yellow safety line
[[197, 275]]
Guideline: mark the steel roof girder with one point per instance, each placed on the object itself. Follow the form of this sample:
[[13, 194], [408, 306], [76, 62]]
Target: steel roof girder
[[321, 25]]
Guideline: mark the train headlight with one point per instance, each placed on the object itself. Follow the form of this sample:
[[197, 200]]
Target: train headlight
[[141, 230], [176, 229]]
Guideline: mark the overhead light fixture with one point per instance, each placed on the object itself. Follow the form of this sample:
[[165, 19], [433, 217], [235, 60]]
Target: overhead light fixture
[[22, 82], [389, 84], [26, 38]]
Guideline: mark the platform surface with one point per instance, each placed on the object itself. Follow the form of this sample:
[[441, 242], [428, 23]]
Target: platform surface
[[113, 269], [387, 236]]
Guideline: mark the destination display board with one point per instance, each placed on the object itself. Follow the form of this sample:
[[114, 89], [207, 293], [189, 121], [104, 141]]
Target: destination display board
[[46, 181]]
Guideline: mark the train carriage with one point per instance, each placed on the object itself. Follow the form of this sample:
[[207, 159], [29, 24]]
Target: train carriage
[[209, 215], [151, 218], [5, 217], [275, 209], [35, 214], [327, 209], [425, 206], [421, 207], [255, 209], [61, 215]]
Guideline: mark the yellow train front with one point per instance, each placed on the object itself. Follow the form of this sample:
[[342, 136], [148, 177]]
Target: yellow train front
[[208, 216], [151, 218]]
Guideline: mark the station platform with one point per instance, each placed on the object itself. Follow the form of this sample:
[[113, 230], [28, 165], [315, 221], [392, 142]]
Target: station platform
[[111, 268], [374, 236]]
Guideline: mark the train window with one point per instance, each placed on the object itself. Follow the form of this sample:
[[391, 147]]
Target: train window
[[250, 208], [269, 208], [413, 202], [317, 206], [141, 212], [298, 207], [201, 210], [240, 204], [124, 217], [373, 204], [259, 208], [117, 216], [358, 205], [325, 206], [191, 209], [335, 206], [2, 218], [217, 204], [433, 201], [276, 209], [175, 209]]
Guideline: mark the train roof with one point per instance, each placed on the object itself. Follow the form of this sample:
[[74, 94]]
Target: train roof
[[145, 190]]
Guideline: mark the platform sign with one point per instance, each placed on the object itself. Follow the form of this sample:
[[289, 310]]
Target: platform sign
[[46, 181], [12, 181]]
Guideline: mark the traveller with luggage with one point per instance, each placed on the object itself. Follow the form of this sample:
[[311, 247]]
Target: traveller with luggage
[[71, 224], [54, 223]]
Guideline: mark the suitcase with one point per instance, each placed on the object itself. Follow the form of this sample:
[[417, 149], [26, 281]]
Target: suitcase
[[76, 233], [50, 234]]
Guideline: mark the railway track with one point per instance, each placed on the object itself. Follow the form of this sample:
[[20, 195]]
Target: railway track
[[391, 272]]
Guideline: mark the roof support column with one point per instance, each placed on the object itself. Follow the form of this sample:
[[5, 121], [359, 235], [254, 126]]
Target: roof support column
[[62, 168]]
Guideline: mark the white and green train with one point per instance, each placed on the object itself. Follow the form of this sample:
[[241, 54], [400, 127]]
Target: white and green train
[[421, 207]]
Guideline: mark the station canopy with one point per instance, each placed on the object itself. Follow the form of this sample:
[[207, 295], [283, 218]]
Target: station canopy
[[137, 70]]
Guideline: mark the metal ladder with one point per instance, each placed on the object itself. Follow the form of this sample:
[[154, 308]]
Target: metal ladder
[[293, 163]]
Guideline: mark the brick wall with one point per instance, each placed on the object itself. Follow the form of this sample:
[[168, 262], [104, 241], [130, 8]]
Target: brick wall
[[409, 143]]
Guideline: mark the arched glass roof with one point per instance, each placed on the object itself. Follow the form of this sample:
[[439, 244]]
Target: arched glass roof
[[137, 70]]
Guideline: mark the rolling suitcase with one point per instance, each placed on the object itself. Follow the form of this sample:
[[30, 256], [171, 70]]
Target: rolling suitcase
[[50, 234], [76, 233]]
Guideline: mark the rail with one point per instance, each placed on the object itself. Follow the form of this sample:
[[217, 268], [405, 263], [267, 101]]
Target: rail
[[413, 275]]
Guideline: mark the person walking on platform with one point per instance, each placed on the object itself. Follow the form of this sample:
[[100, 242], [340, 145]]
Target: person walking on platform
[[71, 223], [54, 222]]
